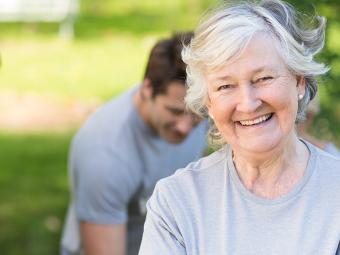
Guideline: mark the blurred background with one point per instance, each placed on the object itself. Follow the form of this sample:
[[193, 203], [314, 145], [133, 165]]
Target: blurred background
[[57, 68]]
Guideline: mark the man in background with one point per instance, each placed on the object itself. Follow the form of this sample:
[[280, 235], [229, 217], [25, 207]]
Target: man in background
[[123, 149]]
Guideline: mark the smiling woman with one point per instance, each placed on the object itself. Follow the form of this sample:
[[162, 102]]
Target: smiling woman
[[251, 70], [258, 105]]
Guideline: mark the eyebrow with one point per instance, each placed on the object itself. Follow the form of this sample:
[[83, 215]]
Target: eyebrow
[[257, 70], [175, 109]]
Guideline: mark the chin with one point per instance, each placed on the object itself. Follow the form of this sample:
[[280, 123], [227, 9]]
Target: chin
[[174, 139], [261, 145]]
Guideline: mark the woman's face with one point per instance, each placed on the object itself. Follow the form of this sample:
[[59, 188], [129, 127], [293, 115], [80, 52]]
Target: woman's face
[[254, 98]]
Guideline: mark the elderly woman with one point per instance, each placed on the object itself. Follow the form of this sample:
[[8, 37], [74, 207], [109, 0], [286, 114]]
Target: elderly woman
[[251, 68]]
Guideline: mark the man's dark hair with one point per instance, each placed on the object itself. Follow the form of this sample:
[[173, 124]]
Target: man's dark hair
[[165, 63]]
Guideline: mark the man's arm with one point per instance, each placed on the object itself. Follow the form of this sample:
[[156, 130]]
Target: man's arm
[[103, 239], [102, 185]]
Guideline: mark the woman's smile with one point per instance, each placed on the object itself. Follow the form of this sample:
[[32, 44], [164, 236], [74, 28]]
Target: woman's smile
[[255, 122]]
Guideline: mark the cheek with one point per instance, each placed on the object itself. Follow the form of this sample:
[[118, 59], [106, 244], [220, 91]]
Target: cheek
[[285, 104], [167, 119], [221, 110], [220, 103], [157, 115]]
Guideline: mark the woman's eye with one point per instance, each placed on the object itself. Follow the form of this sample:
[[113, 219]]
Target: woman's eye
[[266, 78], [223, 87]]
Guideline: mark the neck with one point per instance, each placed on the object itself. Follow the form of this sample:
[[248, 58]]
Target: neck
[[274, 173]]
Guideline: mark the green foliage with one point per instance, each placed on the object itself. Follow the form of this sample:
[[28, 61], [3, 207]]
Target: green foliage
[[112, 40], [329, 119]]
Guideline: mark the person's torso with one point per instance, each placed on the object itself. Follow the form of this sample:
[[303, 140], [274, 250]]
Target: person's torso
[[222, 217], [119, 127]]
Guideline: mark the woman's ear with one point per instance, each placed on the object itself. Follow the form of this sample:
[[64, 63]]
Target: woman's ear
[[301, 85], [208, 105]]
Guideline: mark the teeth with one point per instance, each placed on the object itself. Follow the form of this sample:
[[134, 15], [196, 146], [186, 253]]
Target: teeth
[[254, 122]]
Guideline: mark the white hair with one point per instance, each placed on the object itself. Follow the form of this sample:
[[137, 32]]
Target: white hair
[[228, 30]]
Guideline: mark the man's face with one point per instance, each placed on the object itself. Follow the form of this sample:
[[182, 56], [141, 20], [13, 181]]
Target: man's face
[[168, 115]]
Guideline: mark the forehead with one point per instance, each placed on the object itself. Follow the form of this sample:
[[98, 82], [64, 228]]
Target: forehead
[[259, 55]]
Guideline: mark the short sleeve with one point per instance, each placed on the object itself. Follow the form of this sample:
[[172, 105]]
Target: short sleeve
[[103, 185], [161, 234]]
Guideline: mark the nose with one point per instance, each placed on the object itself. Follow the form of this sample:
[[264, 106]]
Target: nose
[[184, 124], [248, 100]]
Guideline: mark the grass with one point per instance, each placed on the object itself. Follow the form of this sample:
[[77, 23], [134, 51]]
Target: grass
[[80, 69], [34, 192]]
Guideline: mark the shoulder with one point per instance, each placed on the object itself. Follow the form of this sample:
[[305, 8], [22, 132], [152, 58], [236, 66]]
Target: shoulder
[[107, 126], [326, 160], [323, 180], [109, 115], [196, 177], [98, 158], [203, 166], [328, 163], [326, 169], [179, 199]]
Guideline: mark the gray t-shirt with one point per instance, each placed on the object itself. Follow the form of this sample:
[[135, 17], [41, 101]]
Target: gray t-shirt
[[205, 209], [115, 162]]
